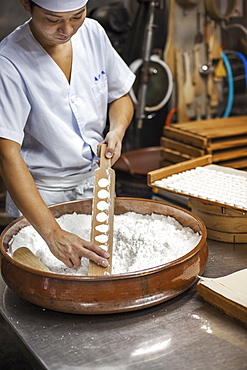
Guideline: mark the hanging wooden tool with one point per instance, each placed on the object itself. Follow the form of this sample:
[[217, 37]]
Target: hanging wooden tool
[[199, 35], [169, 52], [188, 87], [103, 211], [181, 106], [220, 70], [215, 47], [197, 78]]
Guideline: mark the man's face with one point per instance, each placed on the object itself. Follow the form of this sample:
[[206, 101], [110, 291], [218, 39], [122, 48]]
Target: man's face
[[52, 28]]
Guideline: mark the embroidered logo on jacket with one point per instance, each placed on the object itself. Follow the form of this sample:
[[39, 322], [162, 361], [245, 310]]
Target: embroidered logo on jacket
[[97, 78]]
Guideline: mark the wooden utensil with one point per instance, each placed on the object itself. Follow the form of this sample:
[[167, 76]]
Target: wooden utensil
[[169, 52], [199, 35], [197, 78], [103, 211], [28, 258], [188, 87], [181, 106], [215, 47], [220, 70]]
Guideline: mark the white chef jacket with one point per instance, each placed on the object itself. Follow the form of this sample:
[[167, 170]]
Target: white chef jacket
[[59, 124]]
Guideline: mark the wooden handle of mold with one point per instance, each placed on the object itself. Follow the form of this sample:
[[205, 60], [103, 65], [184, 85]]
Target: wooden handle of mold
[[27, 258]]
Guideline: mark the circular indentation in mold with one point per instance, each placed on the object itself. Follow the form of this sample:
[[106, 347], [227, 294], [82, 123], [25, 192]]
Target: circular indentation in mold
[[102, 205], [103, 194], [101, 238], [101, 217], [103, 183], [102, 228]]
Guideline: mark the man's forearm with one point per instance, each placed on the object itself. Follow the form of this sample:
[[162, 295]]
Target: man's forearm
[[120, 114]]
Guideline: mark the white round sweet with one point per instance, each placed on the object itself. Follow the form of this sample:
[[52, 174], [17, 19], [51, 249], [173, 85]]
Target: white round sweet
[[103, 183], [101, 217], [102, 228], [102, 205], [103, 194], [101, 238]]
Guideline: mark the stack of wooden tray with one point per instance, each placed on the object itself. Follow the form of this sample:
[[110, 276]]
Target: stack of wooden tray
[[224, 138]]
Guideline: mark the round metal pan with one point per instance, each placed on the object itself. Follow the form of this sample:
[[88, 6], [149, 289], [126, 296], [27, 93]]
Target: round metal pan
[[114, 293]]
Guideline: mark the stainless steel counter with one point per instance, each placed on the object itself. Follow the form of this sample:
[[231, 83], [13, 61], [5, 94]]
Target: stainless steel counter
[[183, 333]]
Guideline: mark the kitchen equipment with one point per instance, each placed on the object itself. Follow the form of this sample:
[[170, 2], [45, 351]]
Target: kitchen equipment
[[188, 87], [225, 220], [169, 51], [103, 211], [107, 293], [223, 224], [215, 48], [131, 171], [28, 258], [188, 3], [224, 138], [159, 85], [199, 35], [216, 12], [220, 70], [182, 115], [198, 82]]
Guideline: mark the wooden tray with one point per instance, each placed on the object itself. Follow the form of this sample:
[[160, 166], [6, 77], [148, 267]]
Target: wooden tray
[[231, 308], [224, 222], [181, 167], [226, 293], [224, 138]]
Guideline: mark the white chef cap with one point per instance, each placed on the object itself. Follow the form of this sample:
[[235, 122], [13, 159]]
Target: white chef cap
[[61, 5]]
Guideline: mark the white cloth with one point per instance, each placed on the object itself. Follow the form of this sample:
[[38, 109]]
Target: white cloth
[[61, 6], [59, 124], [55, 190]]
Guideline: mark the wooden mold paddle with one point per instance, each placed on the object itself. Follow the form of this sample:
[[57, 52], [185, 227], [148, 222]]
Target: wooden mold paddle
[[103, 211], [28, 258]]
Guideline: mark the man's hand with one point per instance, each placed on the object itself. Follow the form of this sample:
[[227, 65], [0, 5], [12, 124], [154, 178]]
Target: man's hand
[[70, 248]]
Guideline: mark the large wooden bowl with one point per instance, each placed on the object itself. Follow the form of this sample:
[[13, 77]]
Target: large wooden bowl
[[107, 294]]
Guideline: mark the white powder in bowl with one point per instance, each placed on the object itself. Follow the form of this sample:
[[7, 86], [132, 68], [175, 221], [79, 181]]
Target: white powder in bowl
[[139, 242]]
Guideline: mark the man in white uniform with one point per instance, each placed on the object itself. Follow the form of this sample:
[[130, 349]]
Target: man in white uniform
[[58, 76]]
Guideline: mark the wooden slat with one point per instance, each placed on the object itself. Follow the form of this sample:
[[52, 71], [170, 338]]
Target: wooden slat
[[229, 154], [229, 142], [221, 236], [174, 156], [223, 223], [216, 127], [186, 137], [231, 308], [181, 147], [239, 163], [176, 168], [216, 209]]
